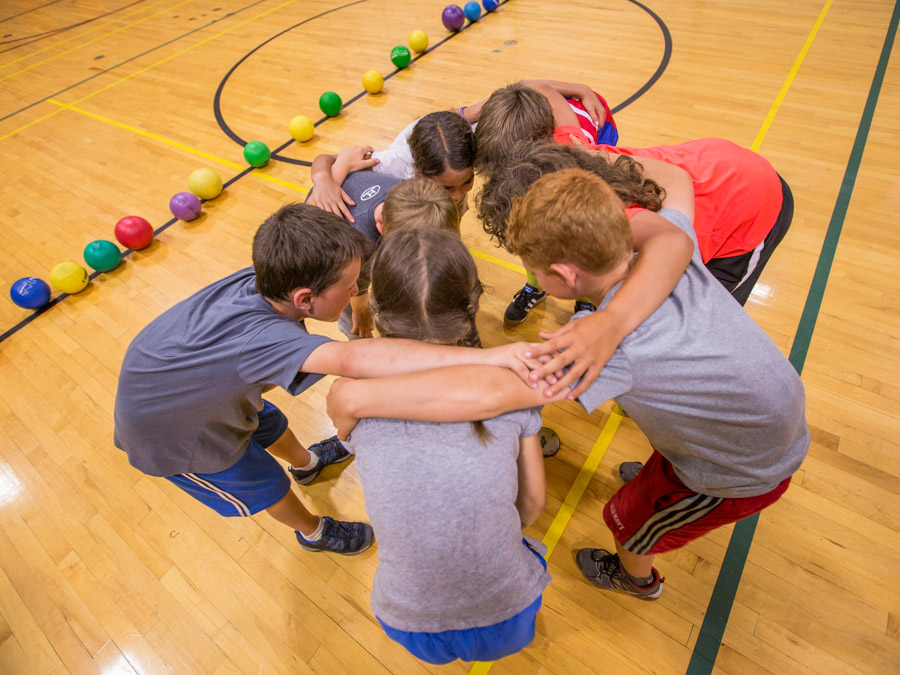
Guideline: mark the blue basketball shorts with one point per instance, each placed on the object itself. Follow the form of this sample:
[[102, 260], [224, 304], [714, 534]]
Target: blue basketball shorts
[[485, 643], [254, 483]]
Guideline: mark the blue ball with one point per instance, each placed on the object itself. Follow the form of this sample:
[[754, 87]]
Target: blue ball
[[472, 11], [30, 293], [490, 5]]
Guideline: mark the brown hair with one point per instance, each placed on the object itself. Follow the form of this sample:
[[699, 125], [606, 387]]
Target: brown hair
[[440, 140], [302, 246], [527, 162], [570, 216], [511, 115], [419, 202], [425, 287]]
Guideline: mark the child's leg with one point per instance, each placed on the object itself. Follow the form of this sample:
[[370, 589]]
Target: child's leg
[[637, 566], [288, 448], [291, 512]]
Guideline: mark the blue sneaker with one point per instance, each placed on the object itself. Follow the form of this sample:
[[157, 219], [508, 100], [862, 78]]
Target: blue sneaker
[[338, 536], [329, 451]]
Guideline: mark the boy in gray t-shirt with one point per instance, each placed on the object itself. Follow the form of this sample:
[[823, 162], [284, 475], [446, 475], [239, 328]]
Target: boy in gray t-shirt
[[189, 404], [722, 407]]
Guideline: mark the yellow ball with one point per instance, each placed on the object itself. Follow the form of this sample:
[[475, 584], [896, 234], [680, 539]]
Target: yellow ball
[[205, 183], [69, 277], [418, 41], [301, 128], [372, 81]]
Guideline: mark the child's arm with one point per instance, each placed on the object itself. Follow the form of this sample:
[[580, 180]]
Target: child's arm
[[664, 252], [582, 92], [361, 313], [532, 498], [456, 394], [329, 171]]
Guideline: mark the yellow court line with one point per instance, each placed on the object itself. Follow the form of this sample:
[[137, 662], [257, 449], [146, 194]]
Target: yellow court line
[[764, 129], [558, 526], [89, 42], [498, 261], [87, 32], [176, 144]]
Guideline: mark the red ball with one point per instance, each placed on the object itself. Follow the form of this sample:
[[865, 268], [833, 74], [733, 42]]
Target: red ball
[[134, 232]]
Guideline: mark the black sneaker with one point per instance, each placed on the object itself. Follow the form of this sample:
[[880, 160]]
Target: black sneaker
[[329, 451], [584, 305], [523, 302], [549, 441], [603, 569], [628, 471], [338, 536]]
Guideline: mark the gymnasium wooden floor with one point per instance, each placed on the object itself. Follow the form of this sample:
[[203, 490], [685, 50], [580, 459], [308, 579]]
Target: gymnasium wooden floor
[[106, 108]]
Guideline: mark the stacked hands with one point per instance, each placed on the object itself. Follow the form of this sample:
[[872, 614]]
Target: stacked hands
[[564, 366]]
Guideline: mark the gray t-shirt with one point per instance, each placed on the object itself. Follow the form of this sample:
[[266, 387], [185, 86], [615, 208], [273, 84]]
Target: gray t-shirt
[[450, 552], [710, 390], [191, 383]]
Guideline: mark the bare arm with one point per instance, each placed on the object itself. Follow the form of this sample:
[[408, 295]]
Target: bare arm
[[532, 497], [455, 394], [361, 313], [677, 183], [664, 252], [329, 171]]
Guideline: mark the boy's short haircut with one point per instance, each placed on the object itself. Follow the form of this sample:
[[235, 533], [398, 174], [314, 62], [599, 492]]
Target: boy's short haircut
[[419, 203], [511, 115], [570, 216], [439, 140], [303, 246]]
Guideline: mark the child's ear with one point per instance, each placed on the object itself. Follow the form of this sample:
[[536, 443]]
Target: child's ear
[[379, 223], [301, 298], [567, 272]]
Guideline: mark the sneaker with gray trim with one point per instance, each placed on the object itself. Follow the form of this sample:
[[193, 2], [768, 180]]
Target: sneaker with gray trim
[[338, 536], [628, 471], [604, 569], [329, 451]]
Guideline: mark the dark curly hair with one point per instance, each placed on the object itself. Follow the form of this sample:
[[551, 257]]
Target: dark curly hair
[[526, 162]]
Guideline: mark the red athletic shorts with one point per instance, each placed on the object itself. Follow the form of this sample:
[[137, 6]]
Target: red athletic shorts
[[656, 512]]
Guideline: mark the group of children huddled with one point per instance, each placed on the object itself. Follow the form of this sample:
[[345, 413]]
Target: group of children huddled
[[658, 247]]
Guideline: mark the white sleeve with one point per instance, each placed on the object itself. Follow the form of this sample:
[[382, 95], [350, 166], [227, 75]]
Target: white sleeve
[[397, 160]]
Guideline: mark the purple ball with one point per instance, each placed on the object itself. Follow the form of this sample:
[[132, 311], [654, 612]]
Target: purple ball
[[453, 17], [185, 205]]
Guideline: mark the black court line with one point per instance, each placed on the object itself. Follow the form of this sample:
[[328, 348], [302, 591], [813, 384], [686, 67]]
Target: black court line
[[715, 621], [28, 11], [63, 29], [11, 331], [129, 60]]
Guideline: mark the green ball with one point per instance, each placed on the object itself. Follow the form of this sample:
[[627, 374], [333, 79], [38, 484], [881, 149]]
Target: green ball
[[102, 255], [330, 103], [400, 56], [257, 153]]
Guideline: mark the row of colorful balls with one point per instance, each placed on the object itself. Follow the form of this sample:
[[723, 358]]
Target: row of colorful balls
[[135, 233]]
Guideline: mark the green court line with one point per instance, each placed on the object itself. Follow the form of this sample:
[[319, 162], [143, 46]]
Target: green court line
[[713, 629]]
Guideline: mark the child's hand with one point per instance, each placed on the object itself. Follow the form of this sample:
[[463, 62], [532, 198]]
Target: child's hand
[[594, 108], [336, 407], [329, 196], [586, 344], [363, 323], [354, 158], [512, 356]]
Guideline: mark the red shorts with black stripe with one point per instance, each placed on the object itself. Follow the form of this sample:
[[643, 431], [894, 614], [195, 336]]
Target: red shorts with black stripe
[[655, 512]]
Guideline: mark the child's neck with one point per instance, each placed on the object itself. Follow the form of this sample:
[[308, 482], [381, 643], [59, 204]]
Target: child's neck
[[595, 287]]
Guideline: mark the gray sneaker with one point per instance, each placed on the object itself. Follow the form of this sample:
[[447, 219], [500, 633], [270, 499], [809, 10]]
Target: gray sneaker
[[603, 569], [329, 451], [338, 536], [628, 471]]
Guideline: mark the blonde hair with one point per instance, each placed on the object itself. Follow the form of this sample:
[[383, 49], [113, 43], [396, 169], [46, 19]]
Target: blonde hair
[[419, 203], [570, 216], [511, 115]]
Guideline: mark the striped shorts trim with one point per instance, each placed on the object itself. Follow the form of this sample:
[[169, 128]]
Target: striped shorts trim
[[681, 513], [240, 507]]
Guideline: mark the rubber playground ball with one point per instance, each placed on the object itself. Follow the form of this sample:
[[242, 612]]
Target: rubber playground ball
[[301, 128], [372, 81], [257, 153], [418, 41], [330, 103], [205, 183], [30, 293], [490, 5], [472, 10], [185, 205], [453, 17], [102, 255], [69, 277], [134, 232], [400, 56]]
